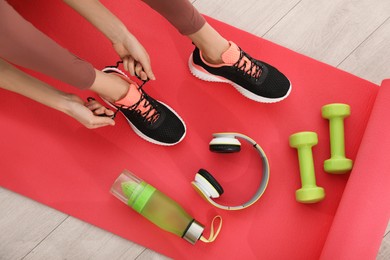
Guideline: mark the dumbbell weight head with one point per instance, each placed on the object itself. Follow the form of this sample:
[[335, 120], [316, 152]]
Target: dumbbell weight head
[[301, 139], [338, 165], [335, 110]]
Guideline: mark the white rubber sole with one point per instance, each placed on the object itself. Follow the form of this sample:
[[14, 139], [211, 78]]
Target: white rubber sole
[[206, 76], [135, 129]]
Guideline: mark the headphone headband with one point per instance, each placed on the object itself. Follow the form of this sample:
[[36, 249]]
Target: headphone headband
[[264, 180]]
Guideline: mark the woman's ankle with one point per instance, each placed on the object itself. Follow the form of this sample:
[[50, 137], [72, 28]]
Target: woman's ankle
[[210, 43], [110, 87]]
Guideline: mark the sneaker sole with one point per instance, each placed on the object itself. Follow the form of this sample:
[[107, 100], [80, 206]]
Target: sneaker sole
[[202, 74], [135, 129]]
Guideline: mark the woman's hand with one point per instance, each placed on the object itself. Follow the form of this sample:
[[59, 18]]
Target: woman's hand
[[134, 56], [91, 113]]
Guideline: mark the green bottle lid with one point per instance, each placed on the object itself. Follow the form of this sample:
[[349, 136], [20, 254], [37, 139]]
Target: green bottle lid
[[138, 194]]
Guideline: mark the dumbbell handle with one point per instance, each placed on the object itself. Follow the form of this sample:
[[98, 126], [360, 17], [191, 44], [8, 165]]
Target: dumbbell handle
[[306, 166], [336, 130]]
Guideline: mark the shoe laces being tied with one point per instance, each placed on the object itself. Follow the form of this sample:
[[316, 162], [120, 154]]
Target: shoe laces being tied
[[145, 107], [248, 66]]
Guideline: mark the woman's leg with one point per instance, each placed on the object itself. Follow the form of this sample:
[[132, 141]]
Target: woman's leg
[[180, 13], [189, 22], [216, 56], [109, 87], [210, 43]]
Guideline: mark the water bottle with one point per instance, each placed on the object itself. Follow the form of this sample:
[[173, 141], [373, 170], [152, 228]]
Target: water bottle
[[156, 207]]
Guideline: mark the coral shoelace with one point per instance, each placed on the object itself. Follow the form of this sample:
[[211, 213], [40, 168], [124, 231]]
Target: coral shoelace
[[150, 113], [146, 102], [248, 65]]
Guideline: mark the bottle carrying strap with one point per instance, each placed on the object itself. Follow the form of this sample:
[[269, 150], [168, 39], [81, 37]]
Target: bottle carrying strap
[[213, 236]]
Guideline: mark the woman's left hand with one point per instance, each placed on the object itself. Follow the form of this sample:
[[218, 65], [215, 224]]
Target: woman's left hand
[[91, 114]]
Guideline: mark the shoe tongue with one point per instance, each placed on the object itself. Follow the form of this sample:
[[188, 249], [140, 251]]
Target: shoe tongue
[[231, 55], [132, 97]]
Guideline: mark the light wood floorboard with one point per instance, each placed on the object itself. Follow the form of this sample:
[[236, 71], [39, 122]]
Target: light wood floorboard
[[384, 250], [329, 30], [370, 60], [351, 34], [75, 239], [254, 16], [24, 223]]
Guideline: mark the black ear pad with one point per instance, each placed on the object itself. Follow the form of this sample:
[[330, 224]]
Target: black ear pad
[[205, 174], [224, 148]]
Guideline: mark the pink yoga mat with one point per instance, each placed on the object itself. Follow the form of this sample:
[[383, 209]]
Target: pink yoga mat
[[51, 158], [364, 208]]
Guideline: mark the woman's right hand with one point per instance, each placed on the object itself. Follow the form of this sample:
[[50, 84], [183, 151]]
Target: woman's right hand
[[134, 56]]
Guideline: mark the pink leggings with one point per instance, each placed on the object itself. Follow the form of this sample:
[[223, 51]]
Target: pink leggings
[[24, 45], [180, 13]]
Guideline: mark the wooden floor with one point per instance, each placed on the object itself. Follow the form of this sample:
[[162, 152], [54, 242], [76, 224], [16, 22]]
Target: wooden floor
[[353, 35]]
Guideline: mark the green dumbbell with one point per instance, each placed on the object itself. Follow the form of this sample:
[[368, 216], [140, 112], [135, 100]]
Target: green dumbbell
[[336, 113], [310, 192]]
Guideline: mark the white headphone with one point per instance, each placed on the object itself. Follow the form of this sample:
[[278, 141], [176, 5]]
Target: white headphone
[[208, 187]]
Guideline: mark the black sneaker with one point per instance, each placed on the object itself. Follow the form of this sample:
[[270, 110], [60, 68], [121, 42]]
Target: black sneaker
[[151, 119], [254, 79]]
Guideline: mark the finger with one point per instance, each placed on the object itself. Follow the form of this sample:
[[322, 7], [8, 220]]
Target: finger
[[131, 66], [138, 71], [103, 111], [126, 63], [93, 105], [109, 112], [147, 68], [102, 121], [96, 126], [143, 75], [100, 111]]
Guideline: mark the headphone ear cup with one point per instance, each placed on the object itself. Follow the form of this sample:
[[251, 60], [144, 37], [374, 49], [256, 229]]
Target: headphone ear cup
[[224, 148], [225, 145], [209, 182]]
